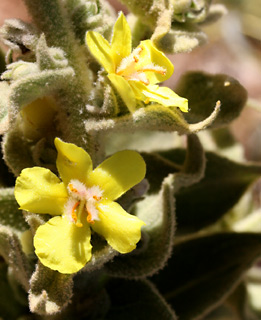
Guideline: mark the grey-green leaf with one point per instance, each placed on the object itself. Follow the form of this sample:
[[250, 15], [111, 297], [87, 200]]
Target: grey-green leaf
[[10, 215], [203, 271], [137, 300], [221, 188], [10, 308], [203, 90], [189, 165], [11, 251], [4, 121]]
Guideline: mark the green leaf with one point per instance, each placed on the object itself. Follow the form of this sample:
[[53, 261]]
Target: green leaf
[[50, 291], [138, 300], [203, 90], [203, 271], [224, 183]]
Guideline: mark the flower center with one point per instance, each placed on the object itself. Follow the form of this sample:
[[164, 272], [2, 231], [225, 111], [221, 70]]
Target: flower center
[[133, 68], [82, 202]]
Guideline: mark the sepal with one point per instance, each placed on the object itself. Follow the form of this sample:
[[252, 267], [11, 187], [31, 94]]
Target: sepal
[[49, 58], [50, 291]]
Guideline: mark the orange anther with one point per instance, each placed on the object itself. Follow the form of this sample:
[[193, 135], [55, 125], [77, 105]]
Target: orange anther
[[74, 216], [136, 59], [89, 218], [72, 189]]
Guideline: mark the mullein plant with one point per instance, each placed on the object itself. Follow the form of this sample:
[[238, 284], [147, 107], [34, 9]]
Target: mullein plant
[[93, 225]]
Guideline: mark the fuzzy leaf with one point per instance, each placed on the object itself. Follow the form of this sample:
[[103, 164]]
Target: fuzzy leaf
[[224, 183], [10, 215], [203, 90], [137, 300], [11, 251], [2, 61], [203, 271], [37, 85], [157, 211], [101, 253], [50, 291], [4, 121], [49, 58], [17, 151], [90, 15], [189, 168], [9, 307], [153, 117], [19, 35], [181, 38]]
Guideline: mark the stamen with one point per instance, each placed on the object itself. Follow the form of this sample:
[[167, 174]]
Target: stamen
[[82, 203], [136, 59], [72, 189], [74, 215], [153, 68], [89, 218], [80, 210]]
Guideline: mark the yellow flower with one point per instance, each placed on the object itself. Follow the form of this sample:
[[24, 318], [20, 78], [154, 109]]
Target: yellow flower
[[134, 74], [82, 201]]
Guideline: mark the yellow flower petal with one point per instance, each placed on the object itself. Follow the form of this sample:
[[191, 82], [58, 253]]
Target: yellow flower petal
[[124, 90], [101, 50], [39, 190], [121, 229], [121, 40], [72, 161], [62, 246], [118, 173], [151, 55], [163, 95]]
